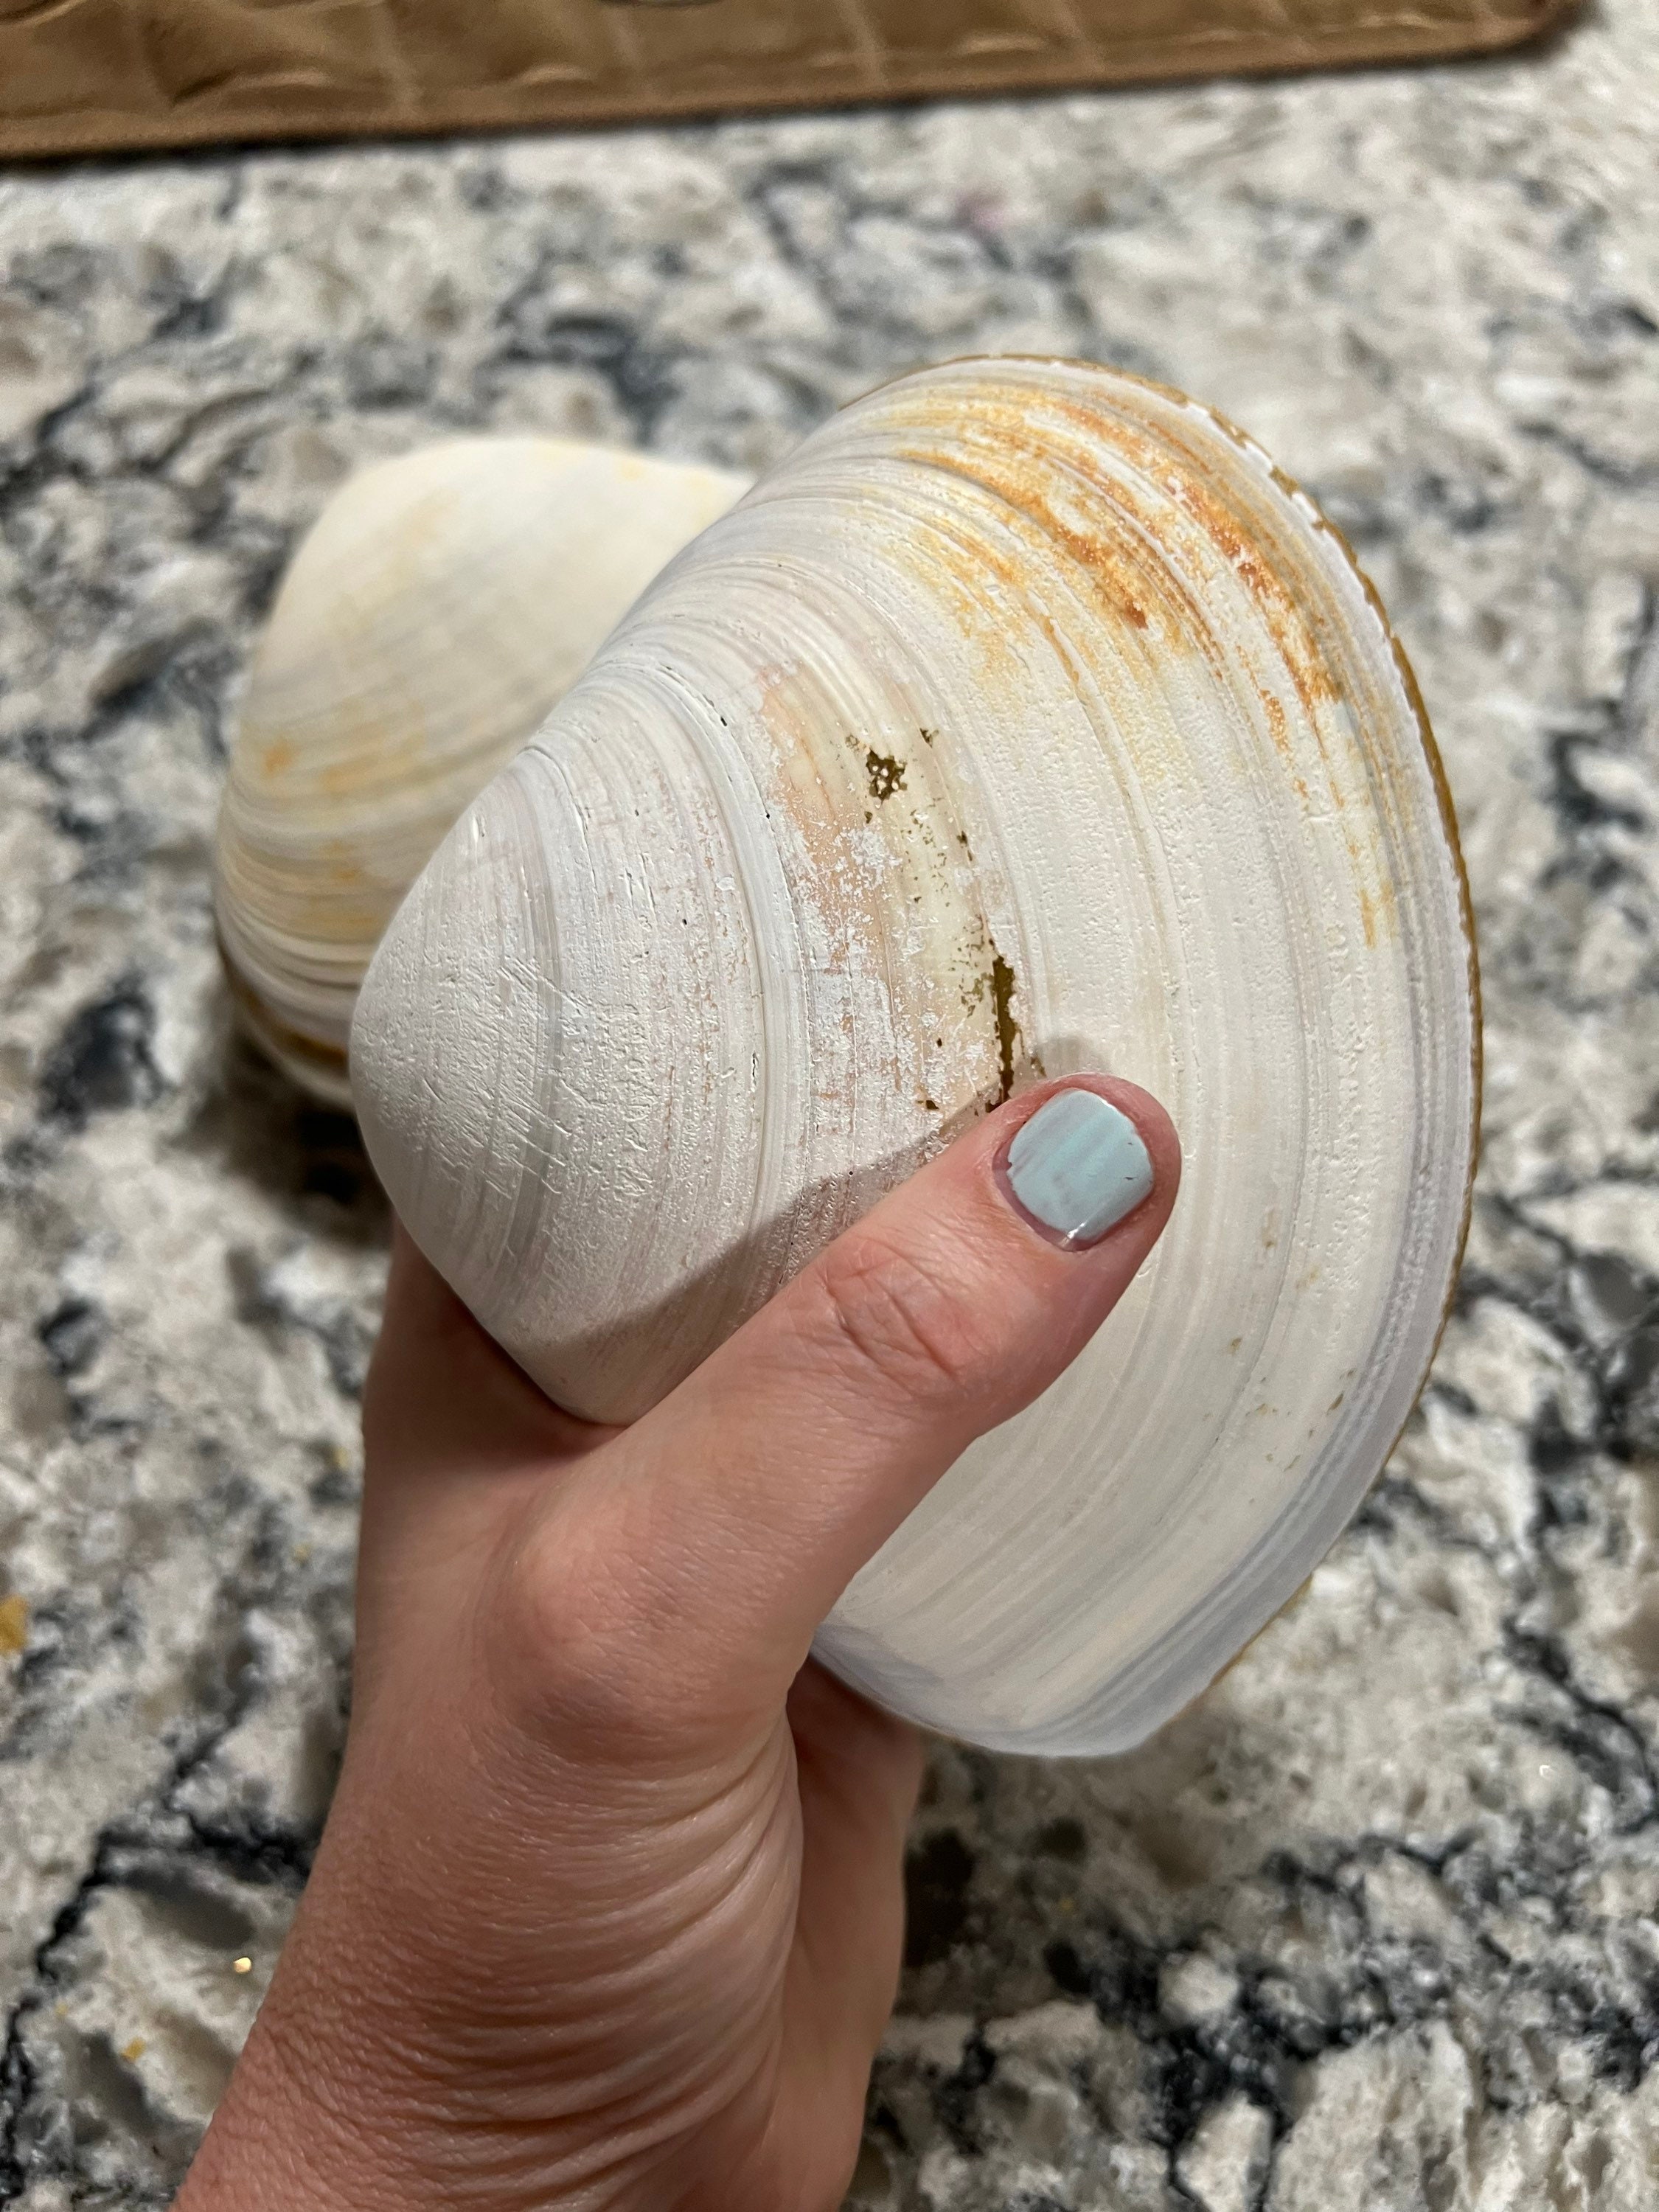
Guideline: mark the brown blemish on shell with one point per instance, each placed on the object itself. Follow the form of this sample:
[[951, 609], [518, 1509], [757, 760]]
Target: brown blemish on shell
[[1005, 452], [1002, 1005], [1017, 468], [1367, 915], [885, 772], [863, 866], [1256, 543], [1099, 424], [1007, 413]]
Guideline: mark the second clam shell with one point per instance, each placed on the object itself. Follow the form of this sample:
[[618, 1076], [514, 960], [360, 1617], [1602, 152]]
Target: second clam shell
[[439, 607]]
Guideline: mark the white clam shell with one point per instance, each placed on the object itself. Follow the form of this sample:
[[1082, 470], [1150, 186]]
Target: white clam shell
[[1024, 718], [440, 604]]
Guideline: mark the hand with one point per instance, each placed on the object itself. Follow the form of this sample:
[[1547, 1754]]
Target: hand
[[608, 1910]]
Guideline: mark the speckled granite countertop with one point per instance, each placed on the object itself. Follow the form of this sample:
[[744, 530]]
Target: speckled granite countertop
[[1373, 1924]]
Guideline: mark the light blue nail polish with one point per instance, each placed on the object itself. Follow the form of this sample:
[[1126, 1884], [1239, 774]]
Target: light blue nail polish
[[1077, 1166]]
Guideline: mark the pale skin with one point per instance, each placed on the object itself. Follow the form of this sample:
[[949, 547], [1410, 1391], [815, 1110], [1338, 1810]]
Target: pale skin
[[608, 1911]]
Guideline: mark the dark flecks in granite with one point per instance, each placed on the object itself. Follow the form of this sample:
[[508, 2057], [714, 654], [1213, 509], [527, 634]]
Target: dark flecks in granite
[[937, 1874], [103, 1061], [955, 2097], [1602, 1315], [1064, 1838], [72, 1334], [268, 1299], [200, 1880], [1612, 1754], [386, 371]]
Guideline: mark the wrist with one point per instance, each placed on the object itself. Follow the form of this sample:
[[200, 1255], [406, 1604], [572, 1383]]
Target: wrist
[[345, 2099], [292, 2135]]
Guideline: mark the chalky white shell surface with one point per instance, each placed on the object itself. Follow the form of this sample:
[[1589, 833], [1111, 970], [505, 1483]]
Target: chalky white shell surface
[[440, 604], [1024, 719]]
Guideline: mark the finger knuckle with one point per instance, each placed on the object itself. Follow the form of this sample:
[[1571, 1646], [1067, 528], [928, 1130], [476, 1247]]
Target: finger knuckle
[[896, 1322], [576, 1653]]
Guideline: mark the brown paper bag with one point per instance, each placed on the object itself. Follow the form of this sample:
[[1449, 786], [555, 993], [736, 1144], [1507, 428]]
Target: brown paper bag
[[84, 75]]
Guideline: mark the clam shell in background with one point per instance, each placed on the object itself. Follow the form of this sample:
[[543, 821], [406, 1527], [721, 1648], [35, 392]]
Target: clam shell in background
[[1024, 720], [440, 604]]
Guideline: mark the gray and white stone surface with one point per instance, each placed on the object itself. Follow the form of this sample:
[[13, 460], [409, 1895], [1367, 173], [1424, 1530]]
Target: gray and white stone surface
[[1374, 1922]]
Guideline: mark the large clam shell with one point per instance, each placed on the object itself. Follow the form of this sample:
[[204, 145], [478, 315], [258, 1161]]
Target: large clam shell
[[439, 607], [1026, 718]]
